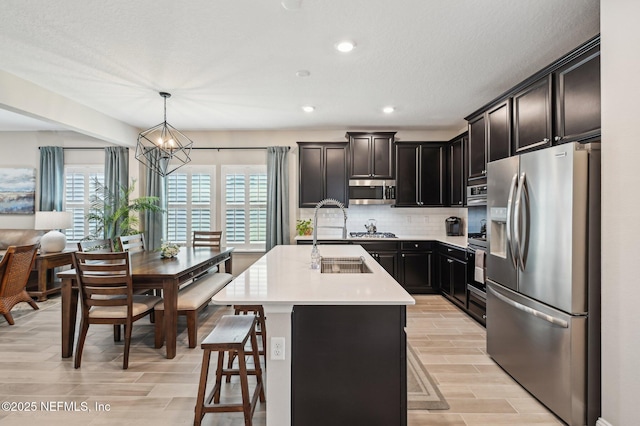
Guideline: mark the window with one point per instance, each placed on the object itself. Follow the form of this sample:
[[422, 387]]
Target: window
[[79, 184], [245, 206], [190, 192]]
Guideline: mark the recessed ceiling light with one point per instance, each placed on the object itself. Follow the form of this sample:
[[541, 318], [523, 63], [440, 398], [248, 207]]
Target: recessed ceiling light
[[388, 109], [345, 46], [303, 73], [308, 108], [291, 4]]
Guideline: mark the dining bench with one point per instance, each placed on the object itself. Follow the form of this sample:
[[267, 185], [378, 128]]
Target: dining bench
[[192, 299]]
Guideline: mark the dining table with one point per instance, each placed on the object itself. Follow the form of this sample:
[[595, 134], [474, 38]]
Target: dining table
[[149, 271]]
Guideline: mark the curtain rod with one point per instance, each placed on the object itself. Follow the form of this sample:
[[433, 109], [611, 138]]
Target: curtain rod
[[82, 148]]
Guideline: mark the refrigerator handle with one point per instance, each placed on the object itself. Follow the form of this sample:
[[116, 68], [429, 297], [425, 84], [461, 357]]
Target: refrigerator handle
[[512, 191], [549, 318], [517, 215]]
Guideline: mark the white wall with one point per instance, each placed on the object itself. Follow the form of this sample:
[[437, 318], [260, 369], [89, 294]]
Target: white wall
[[620, 210], [20, 149]]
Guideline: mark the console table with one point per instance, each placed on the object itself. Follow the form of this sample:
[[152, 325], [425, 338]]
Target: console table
[[45, 262]]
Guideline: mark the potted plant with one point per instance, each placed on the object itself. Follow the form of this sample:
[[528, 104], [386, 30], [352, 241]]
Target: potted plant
[[303, 227], [113, 216]]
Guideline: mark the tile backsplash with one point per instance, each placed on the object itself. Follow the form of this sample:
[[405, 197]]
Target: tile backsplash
[[419, 222]]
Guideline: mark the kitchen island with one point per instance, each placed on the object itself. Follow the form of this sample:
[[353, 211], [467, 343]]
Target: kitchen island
[[344, 356]]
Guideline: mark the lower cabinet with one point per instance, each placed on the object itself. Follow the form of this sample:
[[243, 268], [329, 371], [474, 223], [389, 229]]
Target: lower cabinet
[[386, 254], [415, 266], [453, 274]]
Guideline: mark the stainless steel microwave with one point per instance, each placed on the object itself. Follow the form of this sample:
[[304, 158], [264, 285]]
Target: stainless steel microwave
[[372, 191]]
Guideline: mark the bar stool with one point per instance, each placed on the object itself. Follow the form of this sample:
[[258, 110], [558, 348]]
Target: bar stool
[[230, 335], [261, 330]]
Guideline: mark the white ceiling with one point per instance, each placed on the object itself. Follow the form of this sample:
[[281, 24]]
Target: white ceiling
[[231, 65]]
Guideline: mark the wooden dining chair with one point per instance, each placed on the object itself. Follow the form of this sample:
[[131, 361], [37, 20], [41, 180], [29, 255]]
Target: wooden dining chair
[[106, 295], [96, 246], [132, 243], [103, 246], [15, 267], [207, 238]]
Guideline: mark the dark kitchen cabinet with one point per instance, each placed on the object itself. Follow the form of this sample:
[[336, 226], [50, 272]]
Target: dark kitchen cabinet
[[386, 254], [489, 139], [323, 172], [477, 153], [415, 266], [421, 179], [457, 179], [453, 274], [532, 116], [499, 131], [371, 155], [577, 98]]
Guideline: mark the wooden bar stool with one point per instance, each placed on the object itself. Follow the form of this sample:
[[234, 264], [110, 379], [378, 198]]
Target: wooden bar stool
[[261, 330], [230, 335]]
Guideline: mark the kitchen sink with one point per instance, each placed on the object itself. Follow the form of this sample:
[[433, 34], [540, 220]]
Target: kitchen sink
[[343, 265]]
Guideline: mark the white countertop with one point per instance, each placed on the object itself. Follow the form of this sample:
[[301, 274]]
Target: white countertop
[[284, 276], [454, 241]]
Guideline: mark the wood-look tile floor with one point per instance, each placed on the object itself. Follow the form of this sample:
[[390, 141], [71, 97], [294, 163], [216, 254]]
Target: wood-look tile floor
[[158, 391]]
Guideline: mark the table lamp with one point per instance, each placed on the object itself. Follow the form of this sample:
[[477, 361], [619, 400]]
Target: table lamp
[[54, 240]]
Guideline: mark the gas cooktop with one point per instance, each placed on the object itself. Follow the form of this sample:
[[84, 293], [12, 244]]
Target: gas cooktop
[[372, 235]]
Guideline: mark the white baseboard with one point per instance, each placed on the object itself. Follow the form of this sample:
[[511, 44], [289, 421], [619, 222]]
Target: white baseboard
[[602, 422]]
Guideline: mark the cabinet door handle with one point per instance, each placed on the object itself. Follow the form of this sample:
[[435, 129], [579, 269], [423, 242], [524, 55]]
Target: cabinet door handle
[[449, 260], [449, 250], [402, 254], [415, 245], [545, 140], [558, 138]]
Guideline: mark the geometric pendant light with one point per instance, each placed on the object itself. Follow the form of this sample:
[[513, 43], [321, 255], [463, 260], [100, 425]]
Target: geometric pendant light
[[163, 148]]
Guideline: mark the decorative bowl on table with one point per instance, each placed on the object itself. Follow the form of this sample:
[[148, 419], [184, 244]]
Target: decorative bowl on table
[[169, 250]]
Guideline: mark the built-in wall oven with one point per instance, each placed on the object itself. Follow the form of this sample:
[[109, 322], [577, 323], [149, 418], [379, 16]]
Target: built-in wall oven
[[476, 276]]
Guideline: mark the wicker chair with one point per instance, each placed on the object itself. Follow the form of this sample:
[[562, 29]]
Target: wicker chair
[[106, 293], [15, 267]]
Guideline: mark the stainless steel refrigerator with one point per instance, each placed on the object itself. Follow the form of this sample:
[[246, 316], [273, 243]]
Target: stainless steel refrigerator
[[543, 276]]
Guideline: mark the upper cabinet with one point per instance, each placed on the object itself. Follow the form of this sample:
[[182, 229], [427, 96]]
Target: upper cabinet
[[457, 180], [371, 155], [477, 153], [421, 174], [532, 116], [560, 103], [489, 139], [499, 131], [577, 101], [323, 172]]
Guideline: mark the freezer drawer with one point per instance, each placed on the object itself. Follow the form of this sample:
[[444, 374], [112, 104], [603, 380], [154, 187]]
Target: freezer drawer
[[542, 348]]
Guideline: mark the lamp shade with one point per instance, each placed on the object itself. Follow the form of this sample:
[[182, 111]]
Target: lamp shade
[[53, 220], [54, 240]]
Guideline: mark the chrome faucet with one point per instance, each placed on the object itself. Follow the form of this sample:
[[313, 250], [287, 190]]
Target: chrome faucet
[[314, 251]]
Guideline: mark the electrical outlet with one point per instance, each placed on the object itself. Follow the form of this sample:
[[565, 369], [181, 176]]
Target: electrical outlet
[[277, 348]]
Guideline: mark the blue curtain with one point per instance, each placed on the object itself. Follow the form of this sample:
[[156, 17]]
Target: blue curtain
[[277, 196], [116, 175], [51, 178], [153, 222]]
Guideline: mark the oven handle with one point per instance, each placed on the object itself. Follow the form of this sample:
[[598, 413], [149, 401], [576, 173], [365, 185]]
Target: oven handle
[[479, 293], [549, 318]]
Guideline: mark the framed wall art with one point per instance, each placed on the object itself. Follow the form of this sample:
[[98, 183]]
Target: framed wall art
[[17, 191]]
